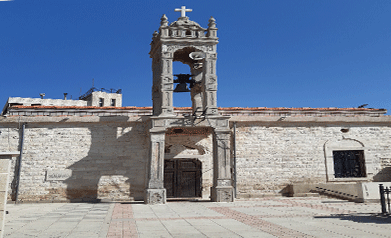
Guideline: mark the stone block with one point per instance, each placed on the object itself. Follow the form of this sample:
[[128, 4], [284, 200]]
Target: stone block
[[3, 200], [155, 196], [4, 164], [223, 194], [3, 182]]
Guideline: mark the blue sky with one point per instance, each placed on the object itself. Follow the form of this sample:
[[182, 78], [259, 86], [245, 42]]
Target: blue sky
[[304, 53]]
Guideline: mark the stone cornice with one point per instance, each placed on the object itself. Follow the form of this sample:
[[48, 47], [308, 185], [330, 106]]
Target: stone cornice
[[311, 119], [281, 120]]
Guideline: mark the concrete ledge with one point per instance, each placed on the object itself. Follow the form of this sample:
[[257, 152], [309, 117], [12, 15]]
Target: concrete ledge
[[9, 153]]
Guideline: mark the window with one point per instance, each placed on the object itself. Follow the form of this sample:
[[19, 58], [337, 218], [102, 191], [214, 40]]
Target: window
[[347, 159], [101, 101], [112, 103], [349, 164]]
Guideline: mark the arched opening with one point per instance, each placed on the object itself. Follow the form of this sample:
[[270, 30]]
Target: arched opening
[[182, 99], [181, 65]]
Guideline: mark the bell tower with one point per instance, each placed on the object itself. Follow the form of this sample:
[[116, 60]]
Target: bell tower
[[187, 42]]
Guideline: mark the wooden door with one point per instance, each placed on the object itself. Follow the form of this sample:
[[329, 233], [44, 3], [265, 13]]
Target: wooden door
[[182, 178]]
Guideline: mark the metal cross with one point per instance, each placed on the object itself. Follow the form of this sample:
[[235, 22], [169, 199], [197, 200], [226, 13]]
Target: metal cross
[[183, 10]]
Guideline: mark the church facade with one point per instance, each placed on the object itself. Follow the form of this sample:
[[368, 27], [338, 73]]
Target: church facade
[[96, 152]]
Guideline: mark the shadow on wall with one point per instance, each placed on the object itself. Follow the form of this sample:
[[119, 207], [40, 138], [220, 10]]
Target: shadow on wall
[[384, 175], [114, 168]]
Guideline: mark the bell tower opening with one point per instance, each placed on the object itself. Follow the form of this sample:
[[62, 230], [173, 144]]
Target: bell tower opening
[[181, 99]]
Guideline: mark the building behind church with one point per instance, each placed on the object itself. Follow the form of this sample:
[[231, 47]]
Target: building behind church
[[95, 149]]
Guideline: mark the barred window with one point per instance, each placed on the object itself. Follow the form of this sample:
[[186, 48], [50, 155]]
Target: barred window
[[349, 164]]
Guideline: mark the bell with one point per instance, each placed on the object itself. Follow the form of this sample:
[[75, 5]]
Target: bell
[[181, 88]]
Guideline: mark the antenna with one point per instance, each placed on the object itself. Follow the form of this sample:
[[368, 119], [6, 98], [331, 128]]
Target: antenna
[[42, 95], [92, 82]]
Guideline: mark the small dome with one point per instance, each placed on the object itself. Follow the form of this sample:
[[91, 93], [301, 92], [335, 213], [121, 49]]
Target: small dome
[[185, 22]]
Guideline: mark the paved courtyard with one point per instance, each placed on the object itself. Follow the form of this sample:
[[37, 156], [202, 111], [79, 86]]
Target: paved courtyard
[[268, 217]]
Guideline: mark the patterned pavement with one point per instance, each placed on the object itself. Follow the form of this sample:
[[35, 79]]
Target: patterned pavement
[[267, 217]]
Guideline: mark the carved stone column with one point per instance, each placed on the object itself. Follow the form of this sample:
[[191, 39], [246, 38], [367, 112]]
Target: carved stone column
[[155, 192], [222, 190], [162, 88], [166, 87], [210, 85]]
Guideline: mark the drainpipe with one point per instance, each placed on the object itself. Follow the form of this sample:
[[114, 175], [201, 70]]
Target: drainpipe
[[234, 150], [19, 164]]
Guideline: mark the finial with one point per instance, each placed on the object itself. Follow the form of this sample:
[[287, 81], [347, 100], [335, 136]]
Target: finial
[[183, 10], [155, 34], [212, 22], [163, 20]]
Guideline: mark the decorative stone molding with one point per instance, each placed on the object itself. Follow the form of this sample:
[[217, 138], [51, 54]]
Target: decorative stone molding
[[341, 145]]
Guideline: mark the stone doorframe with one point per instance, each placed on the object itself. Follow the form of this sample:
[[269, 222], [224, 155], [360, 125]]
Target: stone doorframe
[[222, 190]]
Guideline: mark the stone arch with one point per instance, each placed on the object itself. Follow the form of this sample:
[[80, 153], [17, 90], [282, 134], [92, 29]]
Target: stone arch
[[188, 141], [182, 55]]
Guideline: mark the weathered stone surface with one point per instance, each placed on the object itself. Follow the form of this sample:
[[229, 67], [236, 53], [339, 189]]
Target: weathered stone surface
[[222, 194], [270, 157], [2, 200], [108, 158], [155, 196], [58, 174], [105, 160], [4, 163], [3, 182]]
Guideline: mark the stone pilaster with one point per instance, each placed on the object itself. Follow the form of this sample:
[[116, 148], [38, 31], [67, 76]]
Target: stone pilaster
[[222, 190], [155, 192], [5, 161], [167, 87], [162, 88], [210, 85]]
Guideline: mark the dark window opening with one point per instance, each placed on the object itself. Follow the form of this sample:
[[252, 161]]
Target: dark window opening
[[101, 101], [349, 164], [15, 104], [188, 33], [112, 103]]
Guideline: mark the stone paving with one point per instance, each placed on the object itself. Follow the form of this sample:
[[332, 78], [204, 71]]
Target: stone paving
[[268, 217]]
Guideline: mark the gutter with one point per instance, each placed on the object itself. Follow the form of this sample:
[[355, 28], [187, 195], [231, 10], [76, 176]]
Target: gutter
[[234, 155], [19, 164]]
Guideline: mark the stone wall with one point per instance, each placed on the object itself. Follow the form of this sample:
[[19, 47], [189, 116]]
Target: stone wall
[[90, 158], [272, 156], [80, 161]]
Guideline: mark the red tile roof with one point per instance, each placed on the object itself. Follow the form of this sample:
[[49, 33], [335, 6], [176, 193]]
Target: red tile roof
[[220, 108]]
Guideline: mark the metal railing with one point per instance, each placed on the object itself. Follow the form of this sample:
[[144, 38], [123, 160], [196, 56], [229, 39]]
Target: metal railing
[[385, 199], [93, 89]]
